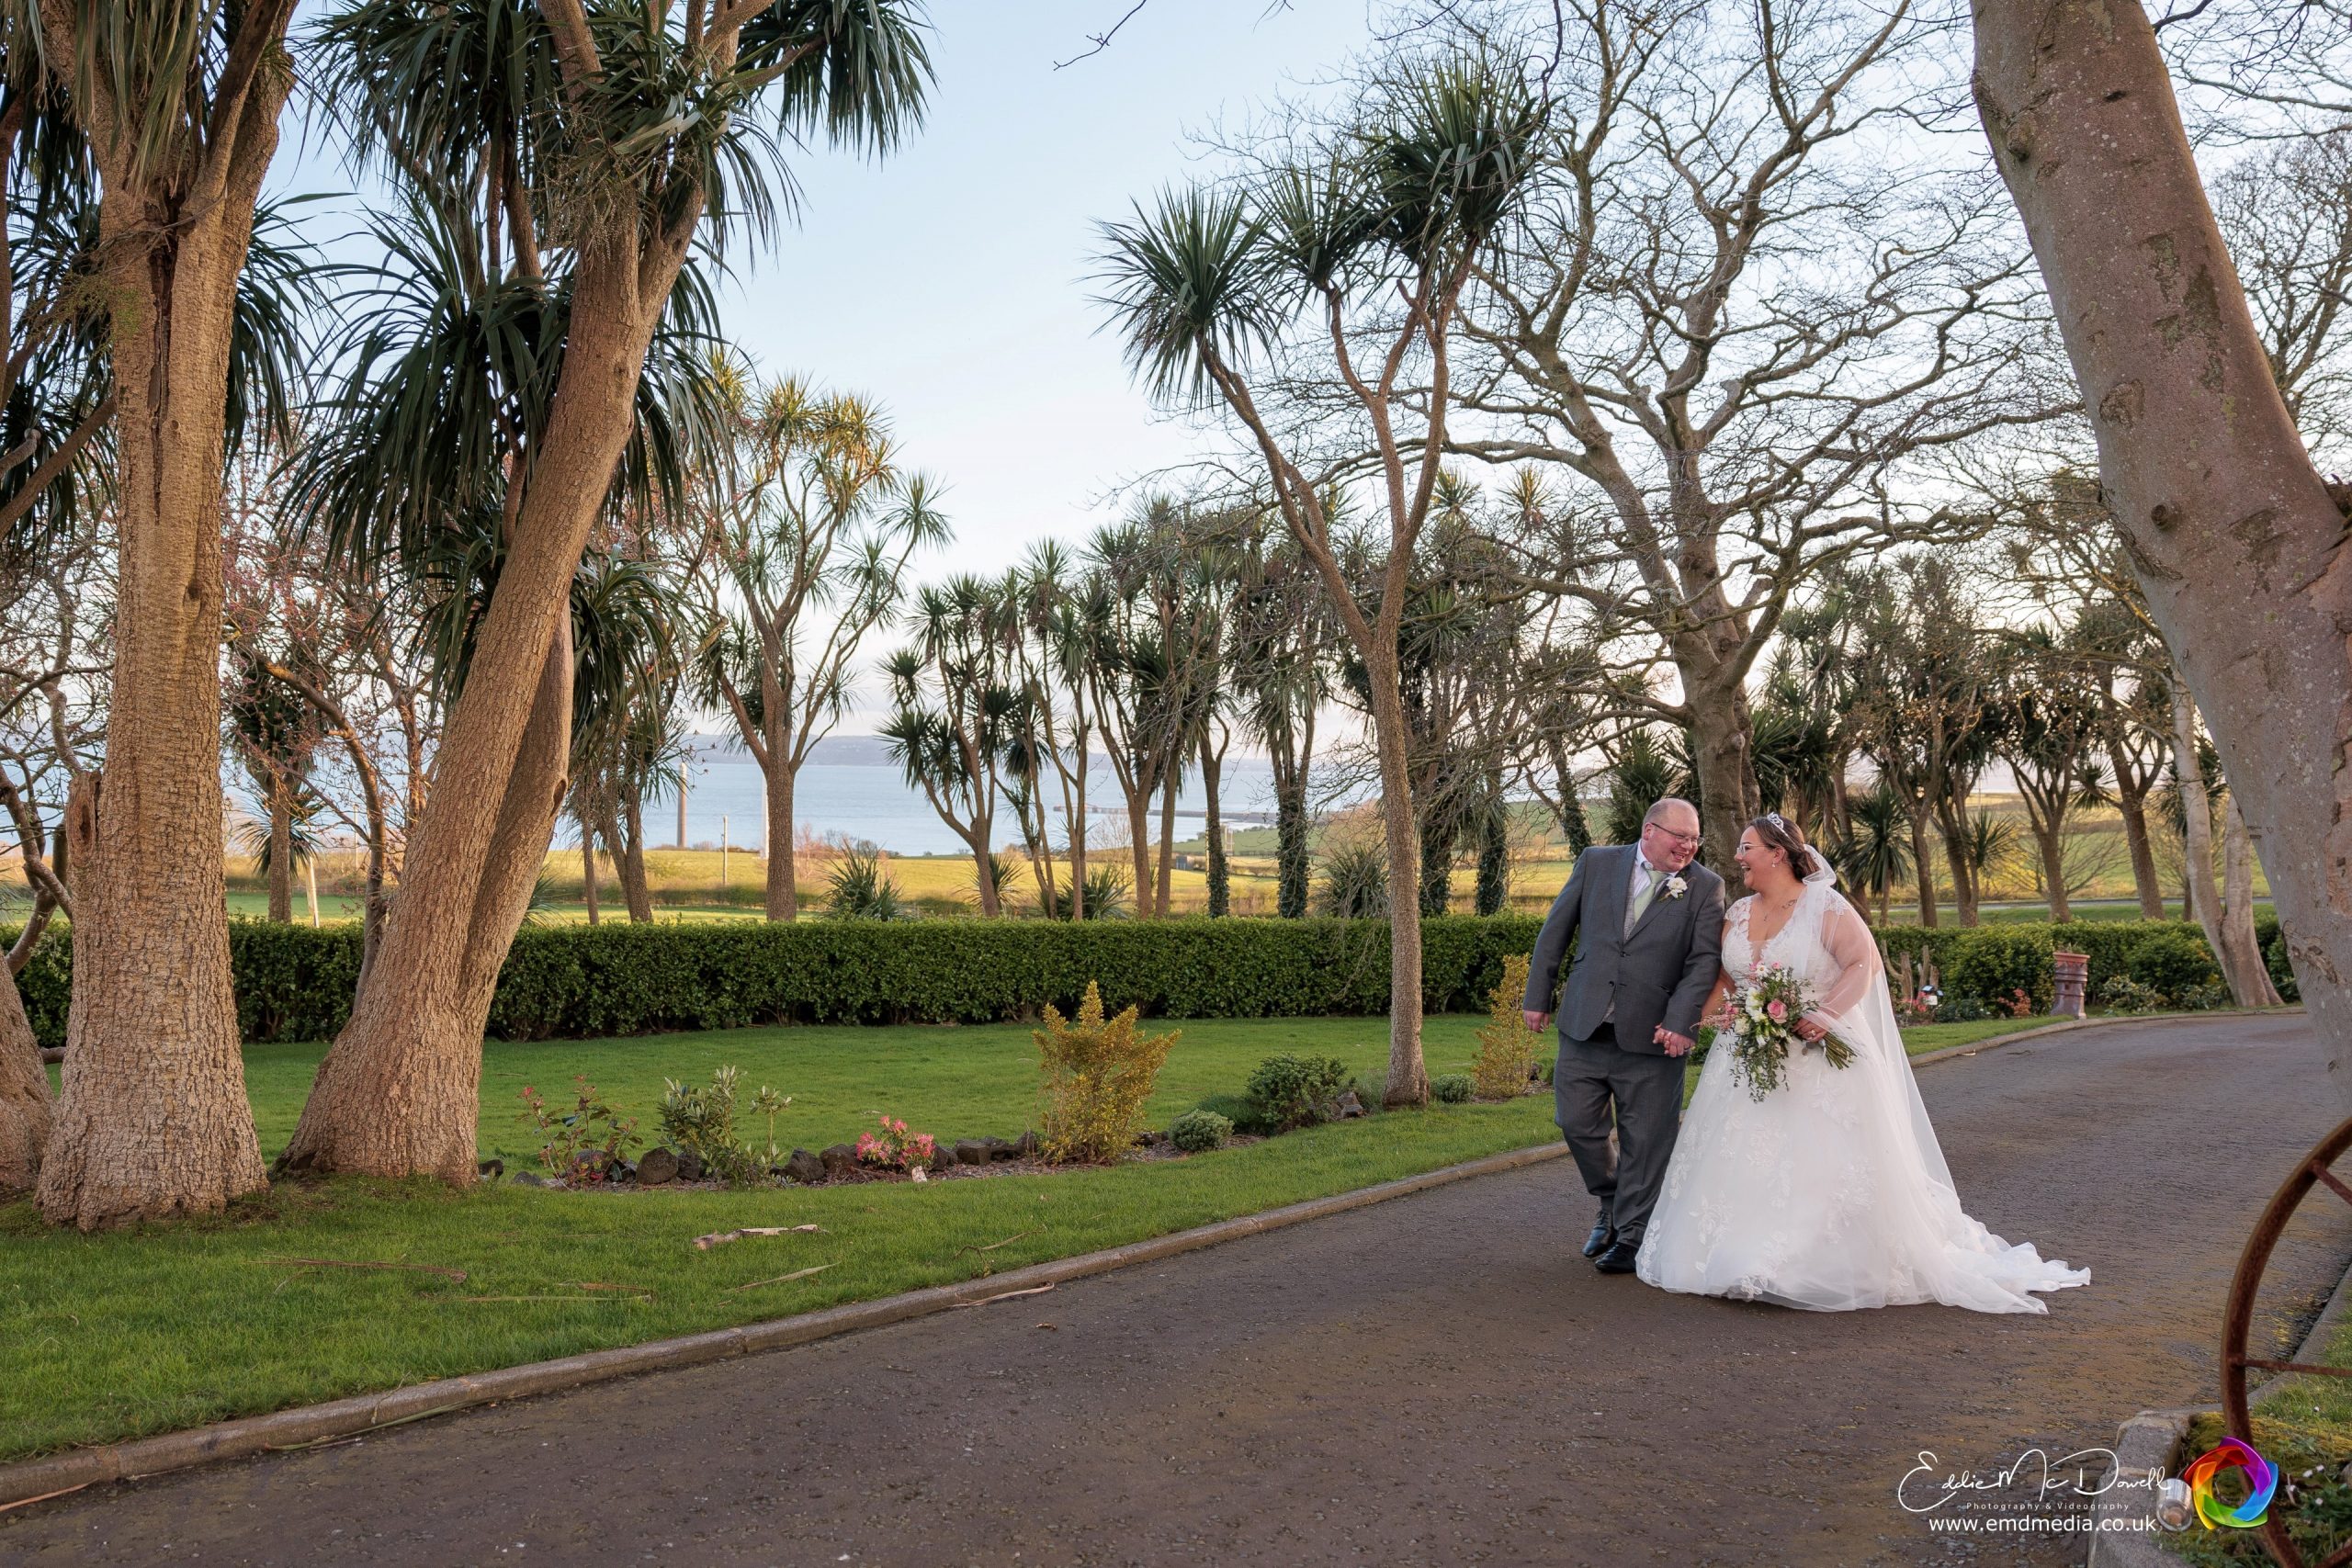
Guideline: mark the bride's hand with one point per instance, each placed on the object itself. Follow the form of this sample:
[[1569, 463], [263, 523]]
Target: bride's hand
[[1808, 1029]]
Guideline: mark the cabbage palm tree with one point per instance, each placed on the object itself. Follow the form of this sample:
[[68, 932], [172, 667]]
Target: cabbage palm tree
[[1364, 245], [174, 107], [957, 709], [589, 139], [810, 528]]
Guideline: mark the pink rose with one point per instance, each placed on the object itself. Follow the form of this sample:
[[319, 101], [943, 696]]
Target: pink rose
[[1779, 1012]]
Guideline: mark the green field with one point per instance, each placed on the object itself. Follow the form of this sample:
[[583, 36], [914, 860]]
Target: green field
[[117, 1334]]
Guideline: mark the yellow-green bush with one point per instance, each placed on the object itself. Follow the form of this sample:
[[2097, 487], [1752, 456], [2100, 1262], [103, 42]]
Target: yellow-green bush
[[1098, 1074]]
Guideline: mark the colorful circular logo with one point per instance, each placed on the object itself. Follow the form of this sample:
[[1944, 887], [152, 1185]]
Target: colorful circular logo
[[2261, 1481]]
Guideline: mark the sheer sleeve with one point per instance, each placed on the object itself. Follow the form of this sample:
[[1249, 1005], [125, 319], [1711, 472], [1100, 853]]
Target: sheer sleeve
[[1847, 941]]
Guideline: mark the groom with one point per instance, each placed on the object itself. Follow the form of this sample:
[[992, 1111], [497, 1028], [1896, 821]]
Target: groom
[[1650, 925]]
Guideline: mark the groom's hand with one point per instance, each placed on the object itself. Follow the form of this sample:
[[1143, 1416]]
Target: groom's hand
[[1535, 1020], [1675, 1045]]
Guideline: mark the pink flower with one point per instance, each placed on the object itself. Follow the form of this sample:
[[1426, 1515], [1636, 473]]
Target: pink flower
[[1779, 1012]]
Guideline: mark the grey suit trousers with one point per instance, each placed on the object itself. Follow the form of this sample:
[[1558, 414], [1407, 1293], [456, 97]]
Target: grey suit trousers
[[1591, 1079]]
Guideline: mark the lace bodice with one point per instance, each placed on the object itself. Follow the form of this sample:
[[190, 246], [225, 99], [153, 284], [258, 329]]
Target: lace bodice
[[1825, 941]]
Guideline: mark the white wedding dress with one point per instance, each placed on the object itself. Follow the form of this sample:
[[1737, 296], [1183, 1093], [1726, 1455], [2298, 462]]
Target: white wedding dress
[[1830, 1193]]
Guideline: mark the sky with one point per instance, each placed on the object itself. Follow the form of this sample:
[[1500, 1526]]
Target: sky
[[951, 281]]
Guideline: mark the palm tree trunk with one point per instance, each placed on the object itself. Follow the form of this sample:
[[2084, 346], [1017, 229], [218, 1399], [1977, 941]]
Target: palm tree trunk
[[1220, 873], [783, 883], [2131, 805], [1139, 845], [1408, 1079], [154, 1120], [1078, 838], [1293, 861], [25, 1111], [397, 1094], [588, 865], [281, 850], [1167, 843], [2237, 915], [1924, 866], [625, 843], [1494, 851], [2053, 871]]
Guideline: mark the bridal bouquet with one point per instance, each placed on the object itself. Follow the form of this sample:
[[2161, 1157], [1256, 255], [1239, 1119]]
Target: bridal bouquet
[[1764, 1014]]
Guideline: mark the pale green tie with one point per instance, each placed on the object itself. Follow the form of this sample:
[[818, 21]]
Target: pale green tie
[[1642, 899]]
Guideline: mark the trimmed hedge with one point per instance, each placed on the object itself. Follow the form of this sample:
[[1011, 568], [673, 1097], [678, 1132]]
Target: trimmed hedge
[[1986, 962], [584, 982]]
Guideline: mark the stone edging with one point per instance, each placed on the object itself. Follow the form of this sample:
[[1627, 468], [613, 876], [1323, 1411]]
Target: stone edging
[[31, 1479]]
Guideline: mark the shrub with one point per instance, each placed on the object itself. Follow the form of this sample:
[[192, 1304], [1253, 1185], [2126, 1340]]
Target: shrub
[[2172, 962], [1961, 1009], [1109, 891], [860, 889], [894, 1147], [584, 1143], [1289, 1091], [574, 982], [1098, 1075], [2202, 998], [1507, 1047], [1996, 962], [2121, 993], [701, 1121], [1197, 1132], [1452, 1089], [1355, 882]]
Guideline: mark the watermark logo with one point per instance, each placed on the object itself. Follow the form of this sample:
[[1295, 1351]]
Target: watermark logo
[[2261, 1483]]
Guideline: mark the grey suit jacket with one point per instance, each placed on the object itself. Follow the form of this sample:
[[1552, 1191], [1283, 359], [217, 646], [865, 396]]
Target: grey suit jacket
[[1659, 973]]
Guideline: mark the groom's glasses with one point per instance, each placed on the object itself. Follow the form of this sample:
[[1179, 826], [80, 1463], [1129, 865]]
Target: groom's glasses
[[1688, 840]]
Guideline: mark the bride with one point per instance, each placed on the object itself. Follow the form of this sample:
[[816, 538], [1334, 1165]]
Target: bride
[[1830, 1193]]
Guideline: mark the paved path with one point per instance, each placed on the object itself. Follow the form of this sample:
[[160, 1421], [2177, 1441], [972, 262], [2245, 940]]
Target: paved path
[[1437, 1380]]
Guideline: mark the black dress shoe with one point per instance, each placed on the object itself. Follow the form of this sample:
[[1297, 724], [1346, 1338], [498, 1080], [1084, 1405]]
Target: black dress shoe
[[1618, 1259], [1604, 1232]]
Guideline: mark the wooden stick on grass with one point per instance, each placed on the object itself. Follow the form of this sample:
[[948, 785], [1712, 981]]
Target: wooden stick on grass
[[781, 1279], [720, 1238]]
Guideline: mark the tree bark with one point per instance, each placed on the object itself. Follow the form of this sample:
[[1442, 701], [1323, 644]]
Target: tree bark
[[2131, 805], [25, 1110], [2237, 915], [1494, 852], [2200, 893], [625, 842], [1409, 1078], [1165, 898], [396, 1095], [588, 866], [281, 850], [1220, 875], [1139, 847], [778, 777], [154, 1120], [2211, 488], [1924, 867], [2050, 842], [1721, 744]]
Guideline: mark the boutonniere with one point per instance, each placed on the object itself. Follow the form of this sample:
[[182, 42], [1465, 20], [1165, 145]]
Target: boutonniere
[[1675, 887]]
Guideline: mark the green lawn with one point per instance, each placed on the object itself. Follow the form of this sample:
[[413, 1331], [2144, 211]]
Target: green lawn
[[119, 1334]]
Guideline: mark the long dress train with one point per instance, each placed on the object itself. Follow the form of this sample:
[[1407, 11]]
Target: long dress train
[[1831, 1192]]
